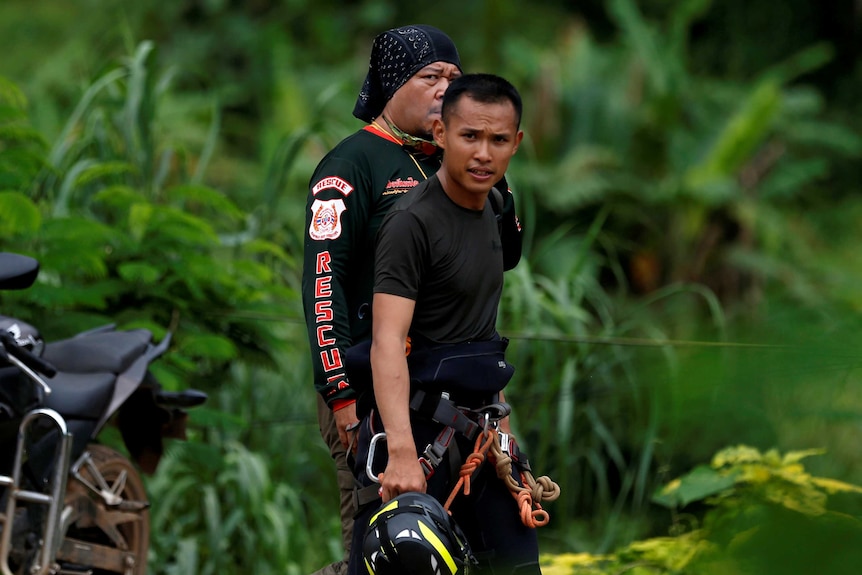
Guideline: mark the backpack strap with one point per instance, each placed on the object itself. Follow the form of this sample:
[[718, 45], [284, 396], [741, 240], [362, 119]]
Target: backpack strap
[[496, 197]]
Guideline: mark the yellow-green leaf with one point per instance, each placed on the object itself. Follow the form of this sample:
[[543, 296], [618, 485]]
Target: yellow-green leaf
[[736, 455], [834, 486]]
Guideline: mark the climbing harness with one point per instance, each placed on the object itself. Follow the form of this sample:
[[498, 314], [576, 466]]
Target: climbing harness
[[498, 448]]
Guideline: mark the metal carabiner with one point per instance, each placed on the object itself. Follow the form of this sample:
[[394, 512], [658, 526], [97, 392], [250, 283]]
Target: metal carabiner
[[369, 471]]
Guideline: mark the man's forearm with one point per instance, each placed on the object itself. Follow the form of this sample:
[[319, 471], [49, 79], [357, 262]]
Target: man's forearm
[[392, 394]]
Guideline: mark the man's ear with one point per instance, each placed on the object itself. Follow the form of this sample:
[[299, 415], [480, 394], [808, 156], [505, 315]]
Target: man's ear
[[438, 130], [518, 139]]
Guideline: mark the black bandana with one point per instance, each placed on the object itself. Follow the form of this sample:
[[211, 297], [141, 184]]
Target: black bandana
[[396, 55]]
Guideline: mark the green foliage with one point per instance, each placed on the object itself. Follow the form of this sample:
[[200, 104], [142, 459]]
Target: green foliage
[[631, 128], [144, 236], [221, 511], [742, 476], [762, 507], [215, 501], [18, 215], [21, 149]]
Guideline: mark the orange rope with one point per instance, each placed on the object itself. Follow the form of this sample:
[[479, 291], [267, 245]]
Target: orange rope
[[528, 498], [474, 460]]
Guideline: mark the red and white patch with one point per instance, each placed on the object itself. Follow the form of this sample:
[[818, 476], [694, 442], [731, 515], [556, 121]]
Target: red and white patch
[[326, 219], [332, 183]]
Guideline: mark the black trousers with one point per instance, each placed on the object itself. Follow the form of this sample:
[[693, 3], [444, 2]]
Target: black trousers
[[488, 517]]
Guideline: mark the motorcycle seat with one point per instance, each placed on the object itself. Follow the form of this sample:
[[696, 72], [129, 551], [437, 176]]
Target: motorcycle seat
[[100, 351], [80, 395]]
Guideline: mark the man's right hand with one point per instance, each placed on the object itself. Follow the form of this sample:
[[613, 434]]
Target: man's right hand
[[402, 474], [346, 418]]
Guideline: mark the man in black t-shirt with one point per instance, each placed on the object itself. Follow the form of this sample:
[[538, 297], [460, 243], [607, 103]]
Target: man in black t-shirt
[[438, 280], [351, 190]]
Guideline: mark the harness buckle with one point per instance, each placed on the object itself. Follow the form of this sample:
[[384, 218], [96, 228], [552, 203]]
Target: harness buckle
[[505, 443], [428, 466], [430, 457], [493, 411], [435, 451]]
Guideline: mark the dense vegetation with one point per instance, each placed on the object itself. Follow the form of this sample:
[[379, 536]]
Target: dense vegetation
[[689, 190]]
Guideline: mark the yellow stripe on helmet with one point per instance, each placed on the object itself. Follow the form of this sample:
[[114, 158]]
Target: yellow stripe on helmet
[[438, 545], [388, 507]]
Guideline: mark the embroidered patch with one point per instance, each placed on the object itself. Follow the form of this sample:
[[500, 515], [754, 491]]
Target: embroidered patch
[[326, 219], [400, 186], [332, 183]]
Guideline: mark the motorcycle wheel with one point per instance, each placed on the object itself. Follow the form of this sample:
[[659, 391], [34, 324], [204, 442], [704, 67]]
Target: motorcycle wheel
[[108, 539]]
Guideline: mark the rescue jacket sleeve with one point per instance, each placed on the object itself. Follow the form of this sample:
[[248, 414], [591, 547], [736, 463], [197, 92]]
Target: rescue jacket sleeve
[[337, 212]]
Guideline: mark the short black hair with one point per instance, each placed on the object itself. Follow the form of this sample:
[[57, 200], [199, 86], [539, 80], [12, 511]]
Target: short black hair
[[485, 88]]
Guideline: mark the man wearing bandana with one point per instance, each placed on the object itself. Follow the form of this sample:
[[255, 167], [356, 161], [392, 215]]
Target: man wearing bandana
[[351, 190]]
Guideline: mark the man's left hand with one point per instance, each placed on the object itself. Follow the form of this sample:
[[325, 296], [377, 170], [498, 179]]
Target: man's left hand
[[348, 426]]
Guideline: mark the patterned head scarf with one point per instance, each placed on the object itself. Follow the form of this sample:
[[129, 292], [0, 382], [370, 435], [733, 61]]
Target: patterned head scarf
[[396, 55]]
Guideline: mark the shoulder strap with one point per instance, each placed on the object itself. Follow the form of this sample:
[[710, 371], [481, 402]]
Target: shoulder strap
[[496, 197]]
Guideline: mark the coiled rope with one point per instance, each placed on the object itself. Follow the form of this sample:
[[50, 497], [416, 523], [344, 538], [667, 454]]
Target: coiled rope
[[528, 496]]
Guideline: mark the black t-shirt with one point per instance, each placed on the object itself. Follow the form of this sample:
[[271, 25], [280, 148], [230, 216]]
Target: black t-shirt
[[446, 258]]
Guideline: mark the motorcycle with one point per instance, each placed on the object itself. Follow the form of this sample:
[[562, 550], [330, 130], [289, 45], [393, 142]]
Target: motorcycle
[[68, 503]]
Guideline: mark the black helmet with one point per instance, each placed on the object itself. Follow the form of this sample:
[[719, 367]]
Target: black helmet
[[413, 534]]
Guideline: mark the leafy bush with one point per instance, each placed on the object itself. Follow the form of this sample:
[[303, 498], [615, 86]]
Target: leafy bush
[[127, 233], [218, 510], [764, 514]]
